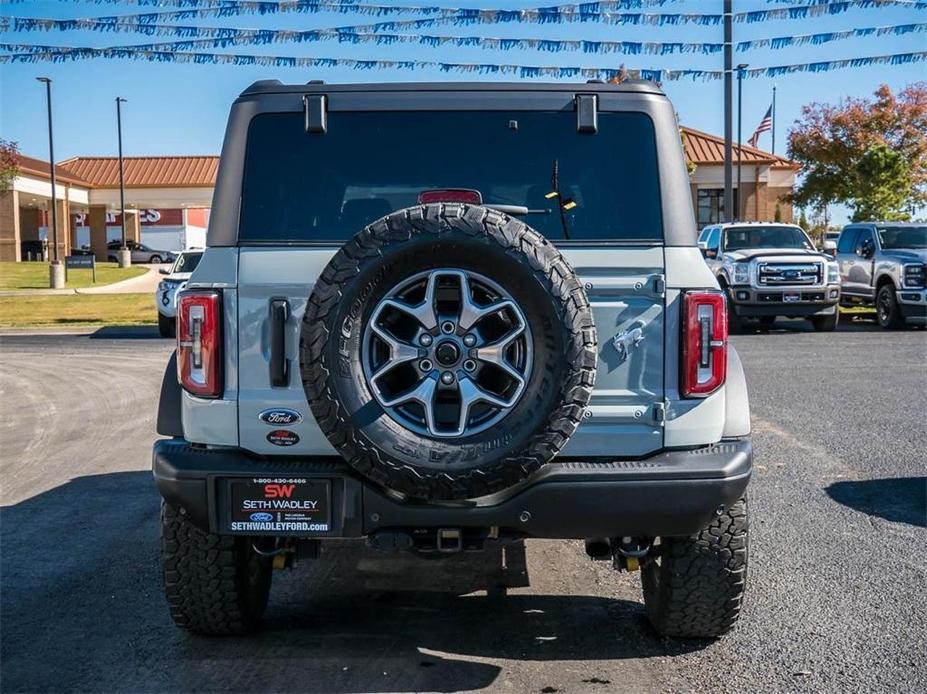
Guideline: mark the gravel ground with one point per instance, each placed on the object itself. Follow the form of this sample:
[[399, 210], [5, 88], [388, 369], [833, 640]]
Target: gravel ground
[[837, 573]]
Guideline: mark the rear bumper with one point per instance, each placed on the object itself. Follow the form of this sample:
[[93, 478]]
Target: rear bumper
[[671, 493], [753, 302]]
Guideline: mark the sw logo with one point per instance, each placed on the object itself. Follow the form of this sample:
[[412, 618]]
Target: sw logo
[[278, 491]]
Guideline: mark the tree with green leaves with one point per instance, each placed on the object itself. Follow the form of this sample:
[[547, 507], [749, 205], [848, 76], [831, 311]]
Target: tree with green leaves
[[9, 163], [870, 154]]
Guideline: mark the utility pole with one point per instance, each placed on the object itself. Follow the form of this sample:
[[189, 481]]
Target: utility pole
[[55, 268], [740, 138], [124, 255], [728, 97]]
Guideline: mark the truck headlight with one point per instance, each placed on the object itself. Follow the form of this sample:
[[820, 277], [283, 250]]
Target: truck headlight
[[741, 273], [833, 273], [913, 276], [162, 286]]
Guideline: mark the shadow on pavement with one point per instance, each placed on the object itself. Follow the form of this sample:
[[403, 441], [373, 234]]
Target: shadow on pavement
[[83, 610], [898, 499], [126, 332]]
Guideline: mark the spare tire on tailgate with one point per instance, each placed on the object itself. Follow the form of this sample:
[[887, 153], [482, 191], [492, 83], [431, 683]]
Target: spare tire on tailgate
[[448, 351]]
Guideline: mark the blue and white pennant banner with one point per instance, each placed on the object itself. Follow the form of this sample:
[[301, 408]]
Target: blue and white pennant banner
[[63, 53], [557, 14]]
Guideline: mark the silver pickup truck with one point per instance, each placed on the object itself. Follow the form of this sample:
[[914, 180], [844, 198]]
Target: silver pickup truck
[[769, 269], [882, 265]]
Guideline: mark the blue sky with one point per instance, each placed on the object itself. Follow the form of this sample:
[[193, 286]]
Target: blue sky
[[181, 108]]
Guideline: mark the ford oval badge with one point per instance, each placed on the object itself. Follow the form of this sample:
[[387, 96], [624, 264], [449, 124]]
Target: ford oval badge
[[261, 517], [280, 417]]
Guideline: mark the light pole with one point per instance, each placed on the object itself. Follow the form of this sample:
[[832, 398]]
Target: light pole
[[740, 139], [123, 255], [728, 62], [55, 268]]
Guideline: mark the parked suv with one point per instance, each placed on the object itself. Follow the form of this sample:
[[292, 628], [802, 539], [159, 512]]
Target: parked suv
[[882, 264], [769, 269], [140, 253], [443, 316], [166, 293]]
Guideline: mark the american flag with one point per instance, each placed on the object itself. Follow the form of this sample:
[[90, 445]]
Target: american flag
[[764, 126]]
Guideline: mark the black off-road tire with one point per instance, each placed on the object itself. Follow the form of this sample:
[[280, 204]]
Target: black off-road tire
[[214, 584], [826, 324], [167, 327], [476, 239], [695, 586], [888, 312]]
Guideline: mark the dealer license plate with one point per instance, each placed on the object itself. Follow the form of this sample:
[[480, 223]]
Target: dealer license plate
[[280, 505], [791, 297]]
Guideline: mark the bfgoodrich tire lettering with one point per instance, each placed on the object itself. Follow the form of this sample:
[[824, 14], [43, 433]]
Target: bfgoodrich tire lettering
[[695, 587], [472, 239], [214, 584]]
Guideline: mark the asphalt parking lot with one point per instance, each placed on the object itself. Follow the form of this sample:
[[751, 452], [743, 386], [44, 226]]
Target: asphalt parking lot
[[837, 574]]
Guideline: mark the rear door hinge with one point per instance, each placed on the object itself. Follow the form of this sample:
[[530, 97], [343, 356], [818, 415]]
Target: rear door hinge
[[316, 109], [659, 413], [659, 285]]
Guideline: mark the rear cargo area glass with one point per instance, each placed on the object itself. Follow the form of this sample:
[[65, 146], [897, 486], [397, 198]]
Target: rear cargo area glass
[[314, 187]]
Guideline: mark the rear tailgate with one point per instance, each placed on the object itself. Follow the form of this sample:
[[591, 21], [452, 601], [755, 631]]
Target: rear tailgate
[[625, 286]]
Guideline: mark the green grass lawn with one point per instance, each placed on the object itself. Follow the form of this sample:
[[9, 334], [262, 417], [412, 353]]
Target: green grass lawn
[[77, 309], [35, 275]]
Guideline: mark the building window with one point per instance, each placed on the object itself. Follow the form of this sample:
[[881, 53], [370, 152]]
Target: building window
[[711, 206]]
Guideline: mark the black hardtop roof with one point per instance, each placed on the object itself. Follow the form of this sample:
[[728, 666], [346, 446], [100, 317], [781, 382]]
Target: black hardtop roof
[[320, 87]]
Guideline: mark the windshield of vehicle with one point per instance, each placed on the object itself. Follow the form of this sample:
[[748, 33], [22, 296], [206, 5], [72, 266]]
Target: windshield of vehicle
[[739, 238], [326, 187], [187, 262], [903, 237]]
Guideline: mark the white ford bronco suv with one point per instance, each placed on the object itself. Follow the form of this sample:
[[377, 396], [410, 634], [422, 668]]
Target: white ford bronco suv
[[442, 316]]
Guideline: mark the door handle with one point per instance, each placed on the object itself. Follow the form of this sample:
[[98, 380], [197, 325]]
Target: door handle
[[279, 364]]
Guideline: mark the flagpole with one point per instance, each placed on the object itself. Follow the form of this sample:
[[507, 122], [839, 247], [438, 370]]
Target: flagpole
[[774, 120]]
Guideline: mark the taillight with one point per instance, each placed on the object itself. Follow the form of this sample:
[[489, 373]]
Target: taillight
[[704, 343], [199, 343], [474, 197]]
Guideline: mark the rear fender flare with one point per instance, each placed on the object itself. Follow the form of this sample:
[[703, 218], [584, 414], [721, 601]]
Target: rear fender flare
[[169, 404], [737, 401]]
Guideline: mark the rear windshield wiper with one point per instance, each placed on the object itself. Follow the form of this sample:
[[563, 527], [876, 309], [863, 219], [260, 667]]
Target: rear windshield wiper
[[514, 210]]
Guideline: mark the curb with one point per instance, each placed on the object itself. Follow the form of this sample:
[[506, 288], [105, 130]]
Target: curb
[[106, 331]]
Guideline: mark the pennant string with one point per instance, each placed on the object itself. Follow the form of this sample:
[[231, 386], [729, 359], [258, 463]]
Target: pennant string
[[582, 12], [63, 53]]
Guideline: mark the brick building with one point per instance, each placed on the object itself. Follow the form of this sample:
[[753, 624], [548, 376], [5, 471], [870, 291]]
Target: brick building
[[88, 193], [765, 179], [157, 190]]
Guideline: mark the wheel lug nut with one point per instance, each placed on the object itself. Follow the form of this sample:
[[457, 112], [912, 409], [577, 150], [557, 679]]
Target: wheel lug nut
[[447, 327], [447, 378], [469, 365], [425, 340], [469, 340], [425, 365]]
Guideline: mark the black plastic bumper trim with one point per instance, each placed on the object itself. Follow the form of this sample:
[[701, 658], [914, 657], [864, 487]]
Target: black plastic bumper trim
[[671, 493]]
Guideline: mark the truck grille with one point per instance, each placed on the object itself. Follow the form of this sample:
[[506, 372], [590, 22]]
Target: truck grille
[[789, 274]]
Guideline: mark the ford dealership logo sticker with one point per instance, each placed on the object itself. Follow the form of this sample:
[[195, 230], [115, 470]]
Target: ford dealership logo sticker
[[280, 416], [261, 517], [282, 437]]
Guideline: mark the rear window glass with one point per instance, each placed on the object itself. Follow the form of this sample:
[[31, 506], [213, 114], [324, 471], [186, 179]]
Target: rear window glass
[[325, 187], [187, 262]]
